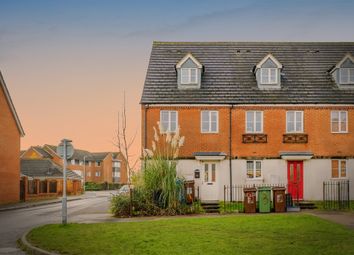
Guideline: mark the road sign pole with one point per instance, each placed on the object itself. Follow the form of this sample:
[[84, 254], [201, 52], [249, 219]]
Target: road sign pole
[[64, 202]]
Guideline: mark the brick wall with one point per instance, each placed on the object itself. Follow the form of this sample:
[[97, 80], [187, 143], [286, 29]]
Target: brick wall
[[9, 154], [317, 125]]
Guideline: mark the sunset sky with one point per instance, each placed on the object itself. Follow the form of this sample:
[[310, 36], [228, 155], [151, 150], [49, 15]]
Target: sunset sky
[[67, 63]]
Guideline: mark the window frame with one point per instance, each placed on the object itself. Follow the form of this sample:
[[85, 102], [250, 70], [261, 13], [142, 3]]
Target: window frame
[[98, 163], [254, 122], [349, 70], [254, 170], [209, 128], [339, 122], [269, 70], [302, 123], [98, 173], [189, 76], [340, 169], [169, 122]]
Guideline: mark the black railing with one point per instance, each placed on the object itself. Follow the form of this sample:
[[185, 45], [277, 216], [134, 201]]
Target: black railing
[[234, 196], [336, 195]]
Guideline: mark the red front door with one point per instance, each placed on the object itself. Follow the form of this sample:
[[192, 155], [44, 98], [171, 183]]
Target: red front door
[[296, 179]]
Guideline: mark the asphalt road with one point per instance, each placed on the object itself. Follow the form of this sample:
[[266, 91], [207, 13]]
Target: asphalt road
[[94, 208]]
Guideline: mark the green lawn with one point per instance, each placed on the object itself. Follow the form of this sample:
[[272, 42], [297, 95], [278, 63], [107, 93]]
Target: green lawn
[[241, 234]]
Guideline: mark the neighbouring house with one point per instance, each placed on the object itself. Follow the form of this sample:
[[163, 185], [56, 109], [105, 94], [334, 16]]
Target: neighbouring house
[[42, 178], [100, 167], [255, 113], [10, 133]]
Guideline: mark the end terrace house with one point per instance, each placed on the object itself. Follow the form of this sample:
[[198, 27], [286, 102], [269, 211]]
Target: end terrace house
[[11, 132], [253, 113]]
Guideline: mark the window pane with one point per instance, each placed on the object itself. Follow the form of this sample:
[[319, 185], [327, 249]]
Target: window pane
[[273, 75], [298, 127], [335, 169], [205, 126], [184, 75], [264, 76], [335, 116], [213, 127], [299, 116], [249, 121], [193, 73], [258, 169], [258, 127], [344, 75], [206, 173], [290, 125], [343, 170], [213, 173], [214, 116], [205, 116], [351, 75], [250, 169]]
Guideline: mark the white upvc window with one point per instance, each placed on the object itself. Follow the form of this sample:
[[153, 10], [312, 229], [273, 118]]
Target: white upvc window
[[98, 163], [116, 164], [254, 169], [339, 168], [209, 121], [254, 122], [269, 75], [189, 75], [339, 121], [73, 161], [116, 174], [98, 173], [169, 121], [346, 75], [295, 122]]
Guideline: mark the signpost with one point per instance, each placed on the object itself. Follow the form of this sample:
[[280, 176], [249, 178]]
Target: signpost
[[65, 150]]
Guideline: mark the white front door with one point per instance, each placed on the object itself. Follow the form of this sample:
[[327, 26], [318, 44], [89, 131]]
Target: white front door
[[209, 189]]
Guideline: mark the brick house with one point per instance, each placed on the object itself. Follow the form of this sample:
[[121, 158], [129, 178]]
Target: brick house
[[255, 113], [100, 167], [10, 133]]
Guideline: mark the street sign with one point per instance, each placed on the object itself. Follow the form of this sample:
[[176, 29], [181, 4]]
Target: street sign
[[69, 150]]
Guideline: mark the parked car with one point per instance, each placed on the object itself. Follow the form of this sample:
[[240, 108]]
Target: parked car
[[123, 190]]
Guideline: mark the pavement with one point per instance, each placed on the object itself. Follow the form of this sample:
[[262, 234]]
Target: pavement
[[340, 217], [20, 218]]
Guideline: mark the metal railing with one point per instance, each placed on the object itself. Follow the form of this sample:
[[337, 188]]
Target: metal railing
[[336, 195], [234, 196]]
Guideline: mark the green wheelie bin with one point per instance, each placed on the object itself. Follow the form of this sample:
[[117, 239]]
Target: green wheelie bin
[[264, 199]]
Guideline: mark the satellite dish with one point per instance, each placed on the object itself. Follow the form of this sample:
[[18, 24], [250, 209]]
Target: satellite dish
[[69, 149]]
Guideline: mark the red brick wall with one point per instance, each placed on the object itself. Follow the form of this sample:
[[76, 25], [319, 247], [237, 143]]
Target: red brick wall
[[9, 154], [317, 125]]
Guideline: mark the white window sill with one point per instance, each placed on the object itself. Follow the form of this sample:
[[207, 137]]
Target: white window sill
[[209, 133], [255, 179], [346, 132]]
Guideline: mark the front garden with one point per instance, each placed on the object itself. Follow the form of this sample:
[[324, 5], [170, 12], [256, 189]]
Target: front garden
[[240, 234]]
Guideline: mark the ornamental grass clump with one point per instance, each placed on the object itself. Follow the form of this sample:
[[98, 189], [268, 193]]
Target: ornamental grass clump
[[158, 190], [159, 174]]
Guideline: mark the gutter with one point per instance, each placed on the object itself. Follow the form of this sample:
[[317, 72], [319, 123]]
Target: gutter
[[230, 149]]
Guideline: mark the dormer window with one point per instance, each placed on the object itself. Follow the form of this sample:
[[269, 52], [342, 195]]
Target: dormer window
[[267, 73], [189, 75], [343, 72], [346, 75], [189, 72]]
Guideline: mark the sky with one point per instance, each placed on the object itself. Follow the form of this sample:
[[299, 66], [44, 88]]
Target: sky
[[68, 63]]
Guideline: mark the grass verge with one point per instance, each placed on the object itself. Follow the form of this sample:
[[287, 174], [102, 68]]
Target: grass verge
[[241, 234]]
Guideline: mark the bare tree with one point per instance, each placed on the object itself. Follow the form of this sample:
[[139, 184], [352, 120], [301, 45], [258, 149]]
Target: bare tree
[[123, 142]]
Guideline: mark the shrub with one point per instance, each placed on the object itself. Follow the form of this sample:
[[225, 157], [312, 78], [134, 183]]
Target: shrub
[[120, 205]]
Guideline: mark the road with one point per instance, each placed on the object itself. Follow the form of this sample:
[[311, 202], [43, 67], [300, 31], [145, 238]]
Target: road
[[94, 208]]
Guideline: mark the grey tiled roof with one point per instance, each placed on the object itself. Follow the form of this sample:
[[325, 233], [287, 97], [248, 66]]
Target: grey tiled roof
[[44, 168], [43, 152], [228, 76]]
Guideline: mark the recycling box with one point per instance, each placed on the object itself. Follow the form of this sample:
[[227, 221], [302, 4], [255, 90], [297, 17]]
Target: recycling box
[[264, 199], [279, 199], [250, 200]]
